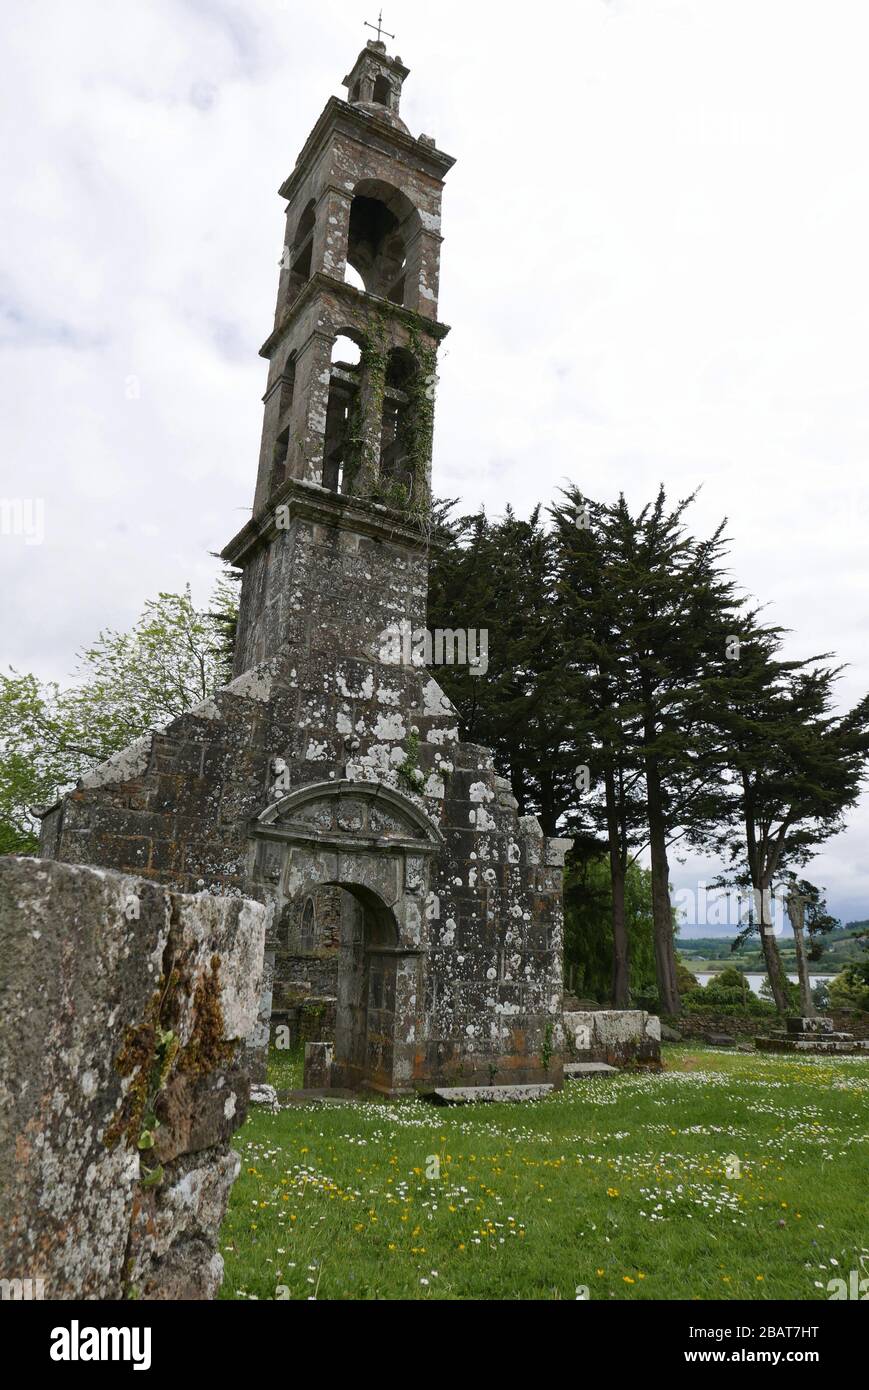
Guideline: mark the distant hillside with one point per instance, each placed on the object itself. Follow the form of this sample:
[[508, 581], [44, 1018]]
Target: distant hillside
[[714, 952]]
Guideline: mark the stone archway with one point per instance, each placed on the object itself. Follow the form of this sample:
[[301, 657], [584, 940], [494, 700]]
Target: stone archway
[[377, 845]]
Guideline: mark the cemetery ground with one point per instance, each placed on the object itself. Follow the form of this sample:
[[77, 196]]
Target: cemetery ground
[[624, 1185]]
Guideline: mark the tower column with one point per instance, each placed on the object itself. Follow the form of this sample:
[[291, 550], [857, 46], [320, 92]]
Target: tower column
[[371, 388], [332, 231], [423, 272], [310, 407], [274, 448]]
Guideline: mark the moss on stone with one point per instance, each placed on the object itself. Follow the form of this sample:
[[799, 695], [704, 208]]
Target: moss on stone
[[207, 1048], [152, 1051], [135, 1059], [409, 772]]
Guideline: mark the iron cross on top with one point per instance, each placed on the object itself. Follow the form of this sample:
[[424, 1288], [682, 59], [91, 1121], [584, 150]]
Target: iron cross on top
[[379, 27]]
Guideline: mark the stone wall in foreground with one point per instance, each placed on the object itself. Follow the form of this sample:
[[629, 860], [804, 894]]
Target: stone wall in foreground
[[123, 1010]]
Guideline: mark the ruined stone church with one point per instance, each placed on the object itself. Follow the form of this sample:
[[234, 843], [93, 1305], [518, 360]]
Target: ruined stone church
[[326, 775]]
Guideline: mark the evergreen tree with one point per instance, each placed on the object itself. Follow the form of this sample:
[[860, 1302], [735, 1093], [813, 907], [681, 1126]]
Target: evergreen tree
[[795, 767], [599, 713], [498, 576], [648, 614], [588, 916]]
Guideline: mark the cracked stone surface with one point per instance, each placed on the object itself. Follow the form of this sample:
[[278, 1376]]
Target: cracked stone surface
[[95, 964]]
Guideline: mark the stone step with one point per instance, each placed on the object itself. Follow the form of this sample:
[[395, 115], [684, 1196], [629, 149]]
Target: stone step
[[319, 1095], [575, 1071], [814, 1045], [469, 1095], [791, 1036], [720, 1040]]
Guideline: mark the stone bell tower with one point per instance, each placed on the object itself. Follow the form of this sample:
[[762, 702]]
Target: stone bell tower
[[331, 764], [349, 403]]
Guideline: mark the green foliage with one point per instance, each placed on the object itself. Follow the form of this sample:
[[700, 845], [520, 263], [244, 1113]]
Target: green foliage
[[850, 988], [499, 576], [729, 986], [611, 649], [731, 978], [795, 768], [588, 926], [222, 615], [417, 442], [685, 978], [838, 947], [791, 992], [727, 992], [359, 455], [546, 1049], [27, 780], [646, 609], [752, 1005], [409, 771], [126, 683]]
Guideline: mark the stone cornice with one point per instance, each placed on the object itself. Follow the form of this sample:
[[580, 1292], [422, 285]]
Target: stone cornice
[[320, 281], [336, 113], [311, 502], [351, 842], [380, 56]]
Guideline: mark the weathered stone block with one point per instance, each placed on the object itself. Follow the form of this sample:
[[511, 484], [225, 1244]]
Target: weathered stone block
[[621, 1037], [319, 1057], [123, 1006], [578, 1071], [197, 1112], [819, 1024], [472, 1095]]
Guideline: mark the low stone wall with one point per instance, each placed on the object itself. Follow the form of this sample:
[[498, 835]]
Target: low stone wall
[[123, 1009], [696, 1026], [852, 1021], [312, 1019], [297, 976], [621, 1037]]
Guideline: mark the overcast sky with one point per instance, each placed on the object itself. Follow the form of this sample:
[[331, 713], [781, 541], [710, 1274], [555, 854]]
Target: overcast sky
[[655, 268]]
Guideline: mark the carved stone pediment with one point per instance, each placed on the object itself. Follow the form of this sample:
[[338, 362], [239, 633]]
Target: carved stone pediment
[[350, 815]]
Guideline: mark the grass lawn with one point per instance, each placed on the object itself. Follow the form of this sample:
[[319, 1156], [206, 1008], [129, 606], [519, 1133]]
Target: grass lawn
[[618, 1184]]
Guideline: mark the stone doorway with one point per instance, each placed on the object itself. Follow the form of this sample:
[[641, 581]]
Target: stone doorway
[[365, 969], [376, 846]]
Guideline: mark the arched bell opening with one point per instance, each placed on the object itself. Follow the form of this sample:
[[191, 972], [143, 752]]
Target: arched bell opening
[[340, 448], [383, 224], [302, 251], [399, 424]]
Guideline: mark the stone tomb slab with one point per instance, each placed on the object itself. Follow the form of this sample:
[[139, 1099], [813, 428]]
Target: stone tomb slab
[[577, 1071], [470, 1095]]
